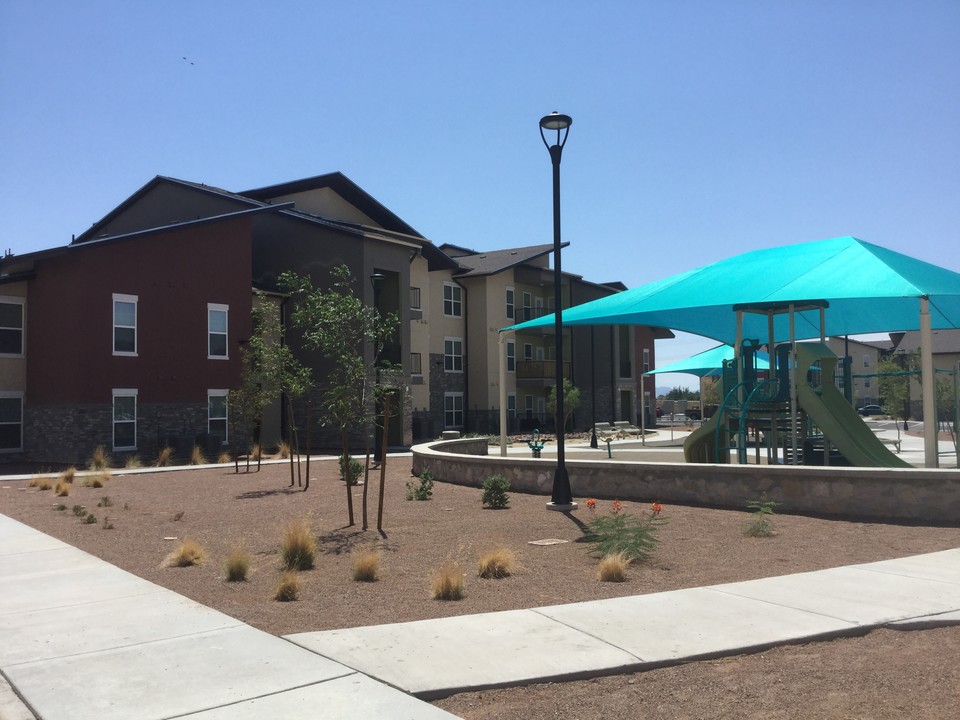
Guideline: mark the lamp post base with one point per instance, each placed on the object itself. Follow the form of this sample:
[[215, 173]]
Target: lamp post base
[[562, 507]]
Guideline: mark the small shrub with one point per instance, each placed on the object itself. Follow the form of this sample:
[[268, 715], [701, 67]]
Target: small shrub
[[497, 563], [224, 458], [165, 457], [68, 475], [132, 462], [356, 470], [178, 515], [448, 582], [298, 547], [40, 483], [197, 457], [79, 510], [89, 519], [495, 492], [62, 489], [100, 460], [188, 553], [620, 532], [288, 588], [283, 450], [107, 523], [366, 566], [761, 524], [105, 501], [238, 563], [422, 490], [613, 568], [61, 507]]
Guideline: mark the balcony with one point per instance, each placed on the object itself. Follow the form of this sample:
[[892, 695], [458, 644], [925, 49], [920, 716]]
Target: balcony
[[539, 373]]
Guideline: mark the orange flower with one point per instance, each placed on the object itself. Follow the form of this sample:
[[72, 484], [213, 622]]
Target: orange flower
[[591, 504], [657, 508], [617, 506]]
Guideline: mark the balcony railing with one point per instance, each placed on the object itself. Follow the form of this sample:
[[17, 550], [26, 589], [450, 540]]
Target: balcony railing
[[540, 369], [531, 313]]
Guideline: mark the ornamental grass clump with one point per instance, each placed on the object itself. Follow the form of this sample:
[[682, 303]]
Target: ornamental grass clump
[[100, 460], [298, 547], [68, 475], [197, 457], [366, 566], [237, 566], [620, 532], [761, 524], [613, 568], [165, 456], [40, 483], [187, 554], [497, 563], [288, 589], [62, 489], [448, 582]]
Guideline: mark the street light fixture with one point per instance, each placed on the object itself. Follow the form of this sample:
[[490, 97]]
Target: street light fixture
[[561, 498]]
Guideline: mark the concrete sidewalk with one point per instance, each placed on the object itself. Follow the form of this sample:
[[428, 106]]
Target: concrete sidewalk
[[80, 638]]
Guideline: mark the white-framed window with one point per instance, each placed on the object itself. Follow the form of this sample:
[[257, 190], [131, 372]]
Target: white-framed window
[[538, 306], [866, 382], [511, 356], [866, 361], [527, 351], [11, 421], [217, 414], [124, 419], [527, 300], [217, 316], [452, 300], [528, 406], [510, 296], [511, 405], [124, 324], [646, 360], [11, 326], [453, 354], [453, 410]]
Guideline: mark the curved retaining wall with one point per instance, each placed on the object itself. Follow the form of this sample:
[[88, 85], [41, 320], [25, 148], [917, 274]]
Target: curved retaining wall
[[876, 494]]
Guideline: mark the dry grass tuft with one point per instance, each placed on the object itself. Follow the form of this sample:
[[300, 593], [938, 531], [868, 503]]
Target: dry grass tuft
[[96, 481], [613, 568], [238, 563], [288, 588], [68, 475], [283, 450], [197, 457], [100, 460], [298, 546], [40, 483], [133, 461], [188, 553], [62, 489], [366, 566], [224, 458], [257, 452], [165, 456], [497, 563], [448, 582]]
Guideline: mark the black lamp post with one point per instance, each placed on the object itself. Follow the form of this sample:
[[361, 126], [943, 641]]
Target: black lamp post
[[561, 498], [376, 280]]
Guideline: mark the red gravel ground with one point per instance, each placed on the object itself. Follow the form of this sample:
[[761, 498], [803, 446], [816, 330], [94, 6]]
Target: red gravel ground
[[884, 674]]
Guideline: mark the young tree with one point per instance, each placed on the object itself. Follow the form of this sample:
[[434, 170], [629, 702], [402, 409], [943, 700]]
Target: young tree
[[895, 388], [571, 401], [337, 324]]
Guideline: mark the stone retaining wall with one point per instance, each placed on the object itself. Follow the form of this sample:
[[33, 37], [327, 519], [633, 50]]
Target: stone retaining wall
[[902, 494]]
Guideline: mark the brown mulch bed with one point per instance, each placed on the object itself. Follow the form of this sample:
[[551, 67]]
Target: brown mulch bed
[[699, 547]]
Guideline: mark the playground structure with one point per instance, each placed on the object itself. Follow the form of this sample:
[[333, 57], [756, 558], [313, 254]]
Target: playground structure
[[795, 415]]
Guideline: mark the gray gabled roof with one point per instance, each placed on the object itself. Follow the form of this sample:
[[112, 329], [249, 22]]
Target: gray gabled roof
[[474, 263]]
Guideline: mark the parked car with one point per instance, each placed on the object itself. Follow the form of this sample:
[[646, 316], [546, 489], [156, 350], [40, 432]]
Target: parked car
[[868, 410]]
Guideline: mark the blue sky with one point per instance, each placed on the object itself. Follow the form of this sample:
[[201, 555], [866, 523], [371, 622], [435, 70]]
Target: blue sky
[[701, 130]]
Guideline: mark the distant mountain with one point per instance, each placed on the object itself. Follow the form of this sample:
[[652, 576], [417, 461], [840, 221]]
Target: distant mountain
[[663, 390]]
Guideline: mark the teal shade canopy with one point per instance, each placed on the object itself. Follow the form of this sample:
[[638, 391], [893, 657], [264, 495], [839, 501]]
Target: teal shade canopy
[[864, 289], [708, 363]]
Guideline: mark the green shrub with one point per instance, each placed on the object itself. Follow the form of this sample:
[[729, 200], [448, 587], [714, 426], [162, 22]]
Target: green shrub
[[422, 490], [760, 523], [356, 469], [622, 533], [495, 492]]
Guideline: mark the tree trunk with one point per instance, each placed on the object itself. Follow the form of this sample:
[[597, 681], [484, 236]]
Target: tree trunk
[[344, 455], [383, 458], [366, 483], [309, 417]]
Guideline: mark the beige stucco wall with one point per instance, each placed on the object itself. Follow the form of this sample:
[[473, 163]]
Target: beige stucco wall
[[420, 331], [326, 202]]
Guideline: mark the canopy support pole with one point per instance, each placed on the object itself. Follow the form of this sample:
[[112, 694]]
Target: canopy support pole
[[793, 384], [738, 360], [772, 363], [503, 395], [931, 454]]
